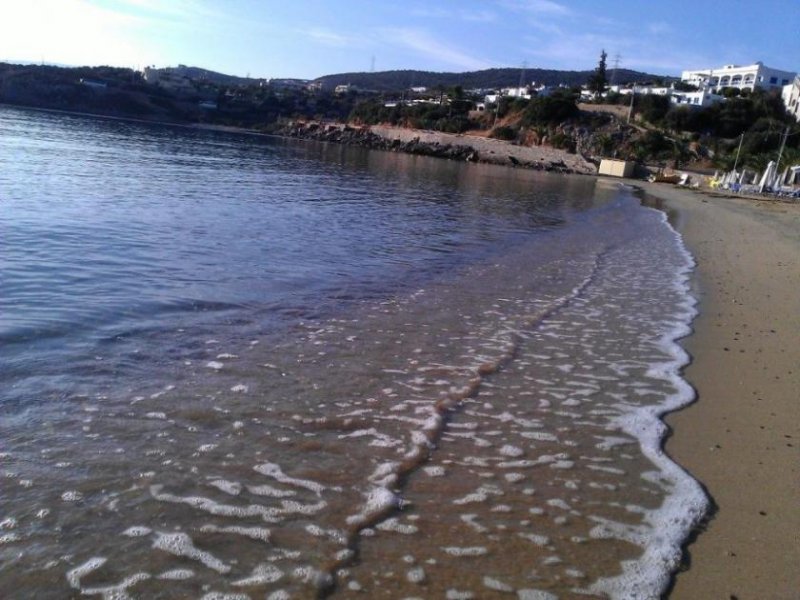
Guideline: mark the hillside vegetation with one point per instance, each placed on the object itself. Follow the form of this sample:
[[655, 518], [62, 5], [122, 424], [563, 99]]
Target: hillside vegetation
[[658, 132], [391, 81]]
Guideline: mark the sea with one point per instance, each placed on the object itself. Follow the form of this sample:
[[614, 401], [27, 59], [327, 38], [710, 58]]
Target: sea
[[237, 366]]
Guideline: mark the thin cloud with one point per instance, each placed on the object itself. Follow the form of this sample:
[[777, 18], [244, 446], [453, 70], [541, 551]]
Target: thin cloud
[[184, 14], [547, 28], [328, 37], [581, 51], [573, 51], [538, 7], [659, 28], [477, 16], [423, 43]]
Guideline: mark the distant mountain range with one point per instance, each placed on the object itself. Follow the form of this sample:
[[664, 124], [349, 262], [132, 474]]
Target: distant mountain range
[[488, 78], [385, 81]]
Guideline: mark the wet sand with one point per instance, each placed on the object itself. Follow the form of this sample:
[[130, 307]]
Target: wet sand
[[740, 439]]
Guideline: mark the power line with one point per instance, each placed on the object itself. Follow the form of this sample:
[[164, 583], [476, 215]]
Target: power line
[[617, 58]]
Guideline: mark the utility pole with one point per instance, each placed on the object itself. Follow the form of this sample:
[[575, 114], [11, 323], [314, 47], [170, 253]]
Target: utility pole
[[630, 108], [780, 154], [783, 143], [736, 162]]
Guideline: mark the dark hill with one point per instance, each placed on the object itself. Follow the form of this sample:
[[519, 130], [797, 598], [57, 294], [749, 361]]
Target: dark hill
[[489, 78]]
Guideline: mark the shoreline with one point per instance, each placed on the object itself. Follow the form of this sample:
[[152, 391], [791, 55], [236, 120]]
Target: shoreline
[[739, 438]]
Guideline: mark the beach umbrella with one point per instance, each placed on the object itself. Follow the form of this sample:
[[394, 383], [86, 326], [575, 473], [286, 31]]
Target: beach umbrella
[[727, 179], [768, 177]]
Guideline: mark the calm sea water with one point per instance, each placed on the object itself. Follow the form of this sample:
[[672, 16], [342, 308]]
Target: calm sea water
[[239, 366]]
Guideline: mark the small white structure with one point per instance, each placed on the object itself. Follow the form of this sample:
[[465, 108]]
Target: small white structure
[[151, 75], [616, 168], [791, 97], [748, 77], [95, 84], [169, 79]]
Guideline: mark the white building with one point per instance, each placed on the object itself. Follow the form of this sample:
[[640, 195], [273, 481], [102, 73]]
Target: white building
[[701, 98], [516, 92], [791, 97], [747, 77], [641, 90]]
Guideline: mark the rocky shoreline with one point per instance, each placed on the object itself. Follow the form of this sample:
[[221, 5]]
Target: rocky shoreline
[[442, 145]]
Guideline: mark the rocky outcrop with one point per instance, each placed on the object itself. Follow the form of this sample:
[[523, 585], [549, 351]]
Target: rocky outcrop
[[442, 145]]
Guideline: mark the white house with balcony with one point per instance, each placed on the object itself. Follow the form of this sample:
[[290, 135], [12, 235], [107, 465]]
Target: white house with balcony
[[747, 77], [791, 97]]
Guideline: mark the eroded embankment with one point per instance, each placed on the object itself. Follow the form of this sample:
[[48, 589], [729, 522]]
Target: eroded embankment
[[443, 145]]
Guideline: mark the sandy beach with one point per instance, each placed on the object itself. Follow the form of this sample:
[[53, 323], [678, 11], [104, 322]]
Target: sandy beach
[[740, 438]]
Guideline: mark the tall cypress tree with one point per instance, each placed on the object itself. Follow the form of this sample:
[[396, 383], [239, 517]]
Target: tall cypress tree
[[598, 80]]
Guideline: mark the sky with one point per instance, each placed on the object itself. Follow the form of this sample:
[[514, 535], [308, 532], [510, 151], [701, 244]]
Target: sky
[[310, 38]]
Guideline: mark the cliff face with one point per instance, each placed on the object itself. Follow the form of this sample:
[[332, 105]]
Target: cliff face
[[443, 145]]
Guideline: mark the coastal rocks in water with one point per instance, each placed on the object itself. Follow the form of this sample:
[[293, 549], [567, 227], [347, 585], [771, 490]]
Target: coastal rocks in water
[[442, 145]]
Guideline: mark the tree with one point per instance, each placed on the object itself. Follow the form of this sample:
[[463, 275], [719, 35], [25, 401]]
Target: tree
[[653, 108], [556, 108], [598, 80]]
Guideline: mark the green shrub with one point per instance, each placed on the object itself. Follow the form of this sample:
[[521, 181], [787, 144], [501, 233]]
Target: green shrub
[[504, 133], [550, 109]]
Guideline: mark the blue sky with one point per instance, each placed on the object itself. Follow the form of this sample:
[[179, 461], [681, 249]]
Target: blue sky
[[310, 38]]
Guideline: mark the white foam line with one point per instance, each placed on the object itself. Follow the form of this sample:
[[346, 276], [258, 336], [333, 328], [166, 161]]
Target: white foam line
[[272, 470], [118, 590], [649, 575], [180, 544], [74, 576], [267, 513], [254, 533], [261, 575]]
